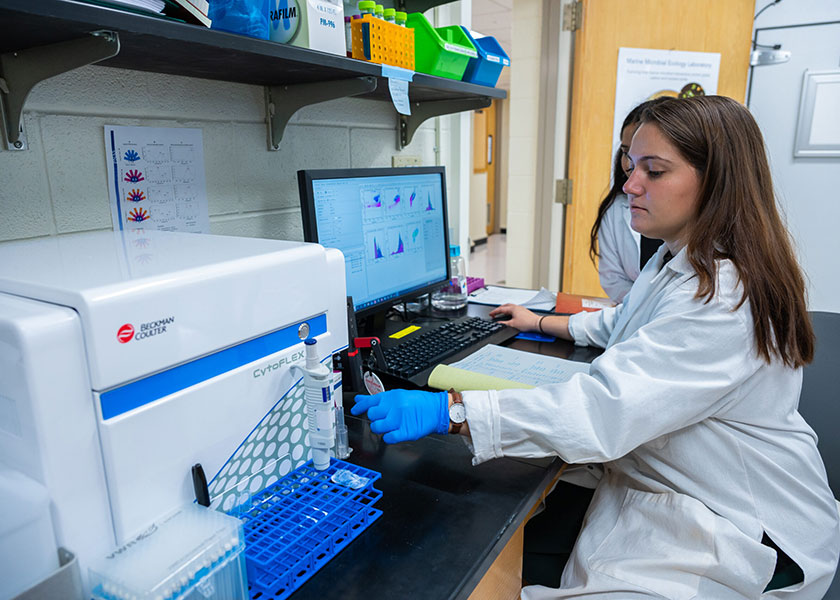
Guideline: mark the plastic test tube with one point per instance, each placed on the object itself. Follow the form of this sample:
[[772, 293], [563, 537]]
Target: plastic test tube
[[367, 7], [342, 444], [348, 37]]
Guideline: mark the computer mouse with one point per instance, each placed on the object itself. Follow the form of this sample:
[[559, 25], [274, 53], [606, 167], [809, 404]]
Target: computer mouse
[[503, 317]]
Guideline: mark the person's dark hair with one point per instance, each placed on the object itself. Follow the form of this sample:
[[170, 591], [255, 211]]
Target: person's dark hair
[[737, 219], [618, 177]]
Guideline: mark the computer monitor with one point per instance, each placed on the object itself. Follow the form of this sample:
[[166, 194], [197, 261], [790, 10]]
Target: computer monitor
[[391, 225]]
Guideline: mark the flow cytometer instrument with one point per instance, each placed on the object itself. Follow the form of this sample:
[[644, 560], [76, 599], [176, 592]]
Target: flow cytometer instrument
[[126, 358]]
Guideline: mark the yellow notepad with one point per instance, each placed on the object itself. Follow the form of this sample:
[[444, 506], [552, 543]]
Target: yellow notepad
[[444, 377]]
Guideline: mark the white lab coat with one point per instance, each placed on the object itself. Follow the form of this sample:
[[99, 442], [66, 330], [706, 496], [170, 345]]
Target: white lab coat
[[618, 246], [702, 445]]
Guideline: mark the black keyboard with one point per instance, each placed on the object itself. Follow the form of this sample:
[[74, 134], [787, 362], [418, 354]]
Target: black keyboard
[[413, 358]]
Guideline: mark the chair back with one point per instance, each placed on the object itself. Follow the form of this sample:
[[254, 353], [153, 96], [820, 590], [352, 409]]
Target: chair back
[[819, 403]]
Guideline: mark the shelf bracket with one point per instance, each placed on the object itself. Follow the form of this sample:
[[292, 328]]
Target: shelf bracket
[[283, 101], [20, 71], [420, 111]]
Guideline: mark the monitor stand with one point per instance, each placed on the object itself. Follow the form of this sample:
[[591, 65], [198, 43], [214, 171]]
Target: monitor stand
[[372, 325]]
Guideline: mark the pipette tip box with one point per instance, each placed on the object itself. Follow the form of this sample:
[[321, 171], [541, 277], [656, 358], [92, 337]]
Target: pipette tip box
[[295, 526], [193, 554]]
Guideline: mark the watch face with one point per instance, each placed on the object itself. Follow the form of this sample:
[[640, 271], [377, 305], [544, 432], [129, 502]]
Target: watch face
[[457, 413]]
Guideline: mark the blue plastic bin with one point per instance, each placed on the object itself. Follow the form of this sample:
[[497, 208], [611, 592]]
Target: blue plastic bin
[[485, 69]]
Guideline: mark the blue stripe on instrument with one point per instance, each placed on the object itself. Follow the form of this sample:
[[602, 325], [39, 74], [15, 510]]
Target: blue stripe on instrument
[[154, 387]]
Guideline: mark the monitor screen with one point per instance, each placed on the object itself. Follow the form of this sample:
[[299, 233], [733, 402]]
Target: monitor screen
[[390, 224]]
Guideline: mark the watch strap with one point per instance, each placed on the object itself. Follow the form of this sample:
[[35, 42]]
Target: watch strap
[[456, 399]]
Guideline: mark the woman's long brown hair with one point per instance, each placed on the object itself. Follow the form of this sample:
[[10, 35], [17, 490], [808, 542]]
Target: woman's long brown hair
[[737, 220]]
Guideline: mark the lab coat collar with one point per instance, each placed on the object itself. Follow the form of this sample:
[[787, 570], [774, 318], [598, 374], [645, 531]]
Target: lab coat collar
[[678, 264], [651, 280]]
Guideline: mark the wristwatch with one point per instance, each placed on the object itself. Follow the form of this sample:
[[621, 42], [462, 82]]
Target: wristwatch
[[457, 412]]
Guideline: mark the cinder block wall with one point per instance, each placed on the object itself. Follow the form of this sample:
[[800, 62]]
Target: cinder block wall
[[525, 123], [59, 185]]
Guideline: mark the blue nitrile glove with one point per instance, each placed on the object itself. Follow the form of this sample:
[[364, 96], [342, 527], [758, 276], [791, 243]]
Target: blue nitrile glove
[[404, 415]]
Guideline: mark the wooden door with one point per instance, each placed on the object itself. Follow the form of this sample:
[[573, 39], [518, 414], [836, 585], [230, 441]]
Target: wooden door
[[485, 145], [722, 26], [490, 153]]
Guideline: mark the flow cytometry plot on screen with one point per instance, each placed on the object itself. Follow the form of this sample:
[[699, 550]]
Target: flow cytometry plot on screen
[[377, 249], [376, 244], [400, 247], [371, 199], [392, 200]]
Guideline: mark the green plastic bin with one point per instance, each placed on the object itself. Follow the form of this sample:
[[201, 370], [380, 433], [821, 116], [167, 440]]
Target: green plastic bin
[[444, 52]]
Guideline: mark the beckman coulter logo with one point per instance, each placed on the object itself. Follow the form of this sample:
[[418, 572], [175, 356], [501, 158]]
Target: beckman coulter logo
[[126, 333]]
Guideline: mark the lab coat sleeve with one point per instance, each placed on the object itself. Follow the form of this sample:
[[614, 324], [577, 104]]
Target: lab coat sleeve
[[616, 246], [683, 366], [594, 328]]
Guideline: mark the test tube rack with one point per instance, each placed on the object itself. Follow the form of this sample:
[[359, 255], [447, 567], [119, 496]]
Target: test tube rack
[[379, 41], [295, 526]]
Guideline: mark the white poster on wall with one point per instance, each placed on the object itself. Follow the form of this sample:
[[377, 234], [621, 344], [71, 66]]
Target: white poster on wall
[[646, 74], [156, 178]]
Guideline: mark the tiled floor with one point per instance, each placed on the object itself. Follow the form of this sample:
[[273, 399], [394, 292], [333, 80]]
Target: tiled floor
[[488, 260]]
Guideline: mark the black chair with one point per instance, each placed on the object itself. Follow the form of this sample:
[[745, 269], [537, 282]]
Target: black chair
[[819, 403]]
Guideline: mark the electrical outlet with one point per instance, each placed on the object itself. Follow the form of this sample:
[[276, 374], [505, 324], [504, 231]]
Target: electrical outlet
[[406, 160]]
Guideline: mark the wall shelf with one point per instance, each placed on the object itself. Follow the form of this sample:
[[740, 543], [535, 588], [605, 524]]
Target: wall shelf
[[151, 43]]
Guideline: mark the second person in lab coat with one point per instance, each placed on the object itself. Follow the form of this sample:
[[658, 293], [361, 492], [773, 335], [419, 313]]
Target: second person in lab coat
[[621, 251], [713, 487]]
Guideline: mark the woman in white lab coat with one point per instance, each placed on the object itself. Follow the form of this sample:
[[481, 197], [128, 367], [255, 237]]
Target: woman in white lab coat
[[712, 483], [621, 251]]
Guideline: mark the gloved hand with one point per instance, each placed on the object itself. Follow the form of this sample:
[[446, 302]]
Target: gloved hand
[[405, 414]]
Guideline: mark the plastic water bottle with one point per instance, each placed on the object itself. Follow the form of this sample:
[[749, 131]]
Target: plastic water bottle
[[317, 390], [453, 295]]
